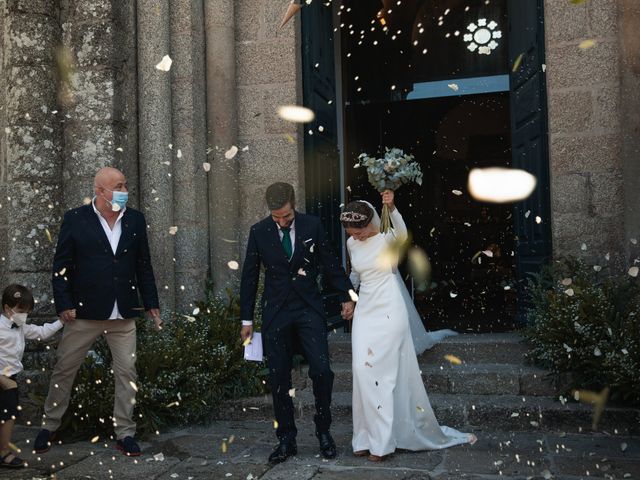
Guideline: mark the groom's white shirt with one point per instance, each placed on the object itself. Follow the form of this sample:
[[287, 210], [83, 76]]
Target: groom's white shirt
[[292, 234]]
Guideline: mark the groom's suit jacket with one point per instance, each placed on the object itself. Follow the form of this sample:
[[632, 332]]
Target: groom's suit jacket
[[312, 255]]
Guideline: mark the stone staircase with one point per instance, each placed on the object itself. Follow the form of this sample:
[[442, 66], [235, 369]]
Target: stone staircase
[[493, 389]]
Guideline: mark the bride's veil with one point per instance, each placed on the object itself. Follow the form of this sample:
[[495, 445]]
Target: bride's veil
[[422, 340]]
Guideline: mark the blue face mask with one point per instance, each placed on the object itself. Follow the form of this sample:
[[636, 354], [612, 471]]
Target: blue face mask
[[119, 200]]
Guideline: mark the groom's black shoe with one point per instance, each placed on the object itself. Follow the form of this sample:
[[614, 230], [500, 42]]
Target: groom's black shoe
[[283, 451], [327, 445]]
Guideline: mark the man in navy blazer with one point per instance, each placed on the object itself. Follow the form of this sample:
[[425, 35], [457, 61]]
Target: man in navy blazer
[[101, 264], [294, 250]]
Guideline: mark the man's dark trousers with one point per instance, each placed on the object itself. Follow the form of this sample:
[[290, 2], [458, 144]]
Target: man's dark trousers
[[298, 323]]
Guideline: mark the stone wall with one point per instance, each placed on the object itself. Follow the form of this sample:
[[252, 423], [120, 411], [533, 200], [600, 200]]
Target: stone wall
[[268, 67], [586, 123], [32, 133]]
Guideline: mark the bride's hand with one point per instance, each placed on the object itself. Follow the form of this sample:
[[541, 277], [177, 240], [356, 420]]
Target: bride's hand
[[387, 199]]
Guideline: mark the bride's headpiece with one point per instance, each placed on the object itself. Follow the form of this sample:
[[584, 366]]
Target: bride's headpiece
[[352, 217], [356, 215]]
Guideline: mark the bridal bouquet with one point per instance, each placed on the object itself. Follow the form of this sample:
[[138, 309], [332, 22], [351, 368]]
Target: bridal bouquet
[[391, 171]]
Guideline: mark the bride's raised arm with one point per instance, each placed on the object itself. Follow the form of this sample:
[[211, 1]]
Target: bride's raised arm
[[399, 227]]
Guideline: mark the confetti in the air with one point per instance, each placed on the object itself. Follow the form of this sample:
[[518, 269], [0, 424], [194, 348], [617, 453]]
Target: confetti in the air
[[516, 64], [353, 295], [453, 86], [206, 166], [292, 9], [296, 114], [456, 192], [232, 152], [292, 392], [453, 359], [165, 64], [233, 265], [173, 230], [500, 185], [633, 271], [587, 44]]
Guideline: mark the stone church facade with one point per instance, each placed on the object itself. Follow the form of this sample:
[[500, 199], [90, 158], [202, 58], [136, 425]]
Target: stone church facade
[[80, 91]]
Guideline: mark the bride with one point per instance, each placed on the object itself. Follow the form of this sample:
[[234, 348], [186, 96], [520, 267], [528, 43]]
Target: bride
[[391, 408]]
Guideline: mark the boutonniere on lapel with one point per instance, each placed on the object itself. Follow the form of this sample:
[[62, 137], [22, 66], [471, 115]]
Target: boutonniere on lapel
[[301, 272]]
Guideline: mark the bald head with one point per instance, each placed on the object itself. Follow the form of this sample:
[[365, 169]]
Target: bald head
[[107, 175], [107, 181]]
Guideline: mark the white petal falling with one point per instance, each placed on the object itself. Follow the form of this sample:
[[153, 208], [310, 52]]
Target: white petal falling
[[206, 166], [296, 114], [500, 185], [165, 64], [232, 152], [233, 265], [633, 271], [173, 230]]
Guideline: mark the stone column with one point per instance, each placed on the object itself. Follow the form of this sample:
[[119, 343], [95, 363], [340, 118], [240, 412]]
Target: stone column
[[222, 135], [32, 145], [585, 129], [268, 75], [189, 152], [100, 117], [629, 24], [154, 132]]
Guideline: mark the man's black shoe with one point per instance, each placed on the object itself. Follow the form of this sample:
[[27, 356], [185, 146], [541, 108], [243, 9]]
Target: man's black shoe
[[283, 451], [128, 446], [43, 441], [327, 446]]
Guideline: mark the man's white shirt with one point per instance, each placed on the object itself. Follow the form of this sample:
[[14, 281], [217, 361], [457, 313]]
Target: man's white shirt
[[113, 235]]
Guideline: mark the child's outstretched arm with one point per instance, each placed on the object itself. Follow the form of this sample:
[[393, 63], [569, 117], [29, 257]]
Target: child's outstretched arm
[[38, 332]]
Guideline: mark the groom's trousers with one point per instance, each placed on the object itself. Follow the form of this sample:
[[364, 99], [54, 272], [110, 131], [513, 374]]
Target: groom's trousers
[[298, 323]]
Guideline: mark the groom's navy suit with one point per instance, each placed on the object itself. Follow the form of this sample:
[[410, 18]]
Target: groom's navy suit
[[292, 310]]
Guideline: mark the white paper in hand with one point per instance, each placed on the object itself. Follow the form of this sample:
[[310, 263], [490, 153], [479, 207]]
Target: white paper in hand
[[253, 351]]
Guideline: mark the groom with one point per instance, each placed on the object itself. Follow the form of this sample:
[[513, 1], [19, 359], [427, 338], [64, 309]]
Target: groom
[[294, 249]]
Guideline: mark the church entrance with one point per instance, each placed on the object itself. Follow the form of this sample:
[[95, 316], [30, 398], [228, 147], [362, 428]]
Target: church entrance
[[459, 85]]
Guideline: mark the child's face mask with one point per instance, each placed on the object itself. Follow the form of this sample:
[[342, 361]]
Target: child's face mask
[[19, 318]]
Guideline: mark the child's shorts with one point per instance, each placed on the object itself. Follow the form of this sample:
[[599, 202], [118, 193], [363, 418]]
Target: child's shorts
[[9, 403]]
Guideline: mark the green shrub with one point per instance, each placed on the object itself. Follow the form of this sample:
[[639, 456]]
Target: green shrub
[[593, 334], [185, 372]]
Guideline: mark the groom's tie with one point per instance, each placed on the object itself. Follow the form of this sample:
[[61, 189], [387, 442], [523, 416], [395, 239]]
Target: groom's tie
[[286, 241]]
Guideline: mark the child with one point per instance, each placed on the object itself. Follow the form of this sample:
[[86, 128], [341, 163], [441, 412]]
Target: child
[[17, 303]]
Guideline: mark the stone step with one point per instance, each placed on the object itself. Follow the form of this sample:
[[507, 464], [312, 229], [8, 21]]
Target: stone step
[[476, 379], [503, 348], [468, 412]]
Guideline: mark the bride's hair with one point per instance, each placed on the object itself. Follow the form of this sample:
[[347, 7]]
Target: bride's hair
[[356, 215]]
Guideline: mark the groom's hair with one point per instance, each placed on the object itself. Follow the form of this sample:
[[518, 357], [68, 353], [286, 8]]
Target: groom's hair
[[279, 194], [356, 215]]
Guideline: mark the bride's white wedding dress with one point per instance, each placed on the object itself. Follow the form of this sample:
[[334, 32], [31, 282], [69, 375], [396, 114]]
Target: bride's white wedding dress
[[390, 404]]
